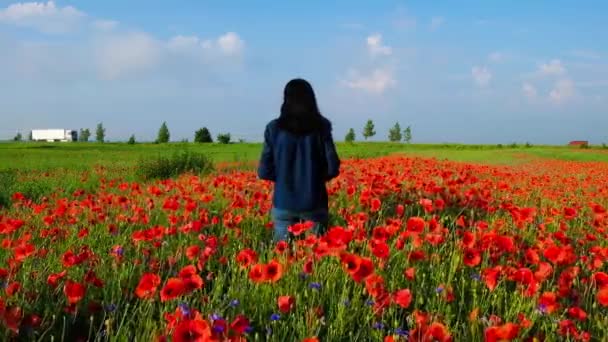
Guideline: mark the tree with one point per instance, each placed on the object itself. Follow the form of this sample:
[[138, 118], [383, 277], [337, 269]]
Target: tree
[[394, 134], [84, 135], [131, 140], [100, 133], [407, 134], [203, 136], [350, 136], [18, 137], [30, 136], [223, 138], [368, 130], [163, 134]]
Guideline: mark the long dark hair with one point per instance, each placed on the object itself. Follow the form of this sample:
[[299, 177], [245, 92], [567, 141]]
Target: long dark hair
[[299, 113]]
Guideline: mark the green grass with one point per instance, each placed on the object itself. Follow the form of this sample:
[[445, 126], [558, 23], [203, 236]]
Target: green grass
[[84, 156]]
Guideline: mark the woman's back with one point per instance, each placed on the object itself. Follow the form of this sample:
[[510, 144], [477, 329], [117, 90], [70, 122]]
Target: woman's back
[[299, 164]]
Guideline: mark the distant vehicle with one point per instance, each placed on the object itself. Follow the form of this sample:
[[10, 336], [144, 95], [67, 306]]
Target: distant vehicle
[[579, 143], [54, 135]]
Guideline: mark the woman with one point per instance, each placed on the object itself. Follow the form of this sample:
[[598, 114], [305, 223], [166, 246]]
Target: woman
[[299, 156]]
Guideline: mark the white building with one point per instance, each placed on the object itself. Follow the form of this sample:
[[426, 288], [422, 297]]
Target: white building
[[52, 135]]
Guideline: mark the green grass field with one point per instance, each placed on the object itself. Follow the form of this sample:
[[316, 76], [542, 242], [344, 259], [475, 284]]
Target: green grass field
[[83, 156]]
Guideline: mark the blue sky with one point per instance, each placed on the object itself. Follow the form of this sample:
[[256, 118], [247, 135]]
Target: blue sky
[[466, 71]]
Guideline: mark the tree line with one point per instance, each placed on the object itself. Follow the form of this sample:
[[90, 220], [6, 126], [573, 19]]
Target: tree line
[[394, 134], [203, 135]]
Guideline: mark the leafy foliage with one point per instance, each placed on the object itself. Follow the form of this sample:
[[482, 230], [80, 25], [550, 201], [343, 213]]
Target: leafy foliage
[[100, 133], [407, 135], [84, 135], [368, 130], [163, 167], [203, 136], [394, 134], [350, 136], [163, 134], [223, 138]]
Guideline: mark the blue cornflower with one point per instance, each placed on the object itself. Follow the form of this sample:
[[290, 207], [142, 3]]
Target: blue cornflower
[[316, 286], [542, 308], [378, 326], [215, 317], [185, 309], [120, 251], [218, 328], [110, 308], [475, 276], [303, 275], [275, 317], [346, 302], [234, 303], [439, 289], [248, 329], [401, 332], [369, 302]]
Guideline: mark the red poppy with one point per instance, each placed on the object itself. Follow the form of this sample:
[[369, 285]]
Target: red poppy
[[472, 257], [490, 277], [192, 252], [506, 332], [380, 250], [602, 296], [147, 285], [415, 225], [410, 273], [468, 239], [174, 288], [310, 339], [600, 279], [577, 313], [240, 324], [365, 269], [548, 302], [73, 291], [192, 330], [256, 273], [273, 271], [375, 204], [246, 257], [286, 303], [403, 298], [12, 288], [437, 332], [301, 227]]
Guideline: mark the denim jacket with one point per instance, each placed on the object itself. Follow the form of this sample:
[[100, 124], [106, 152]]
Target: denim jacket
[[299, 166]]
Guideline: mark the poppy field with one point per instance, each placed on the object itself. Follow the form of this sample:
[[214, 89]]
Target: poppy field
[[418, 250]]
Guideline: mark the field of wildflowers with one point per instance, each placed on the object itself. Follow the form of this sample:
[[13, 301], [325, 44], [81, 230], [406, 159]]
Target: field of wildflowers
[[418, 250]]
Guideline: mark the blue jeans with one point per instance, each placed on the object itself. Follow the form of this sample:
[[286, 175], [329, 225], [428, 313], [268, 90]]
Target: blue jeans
[[284, 218]]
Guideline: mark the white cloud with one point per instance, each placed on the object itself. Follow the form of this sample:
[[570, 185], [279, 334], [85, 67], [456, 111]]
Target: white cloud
[[375, 47], [496, 57], [45, 17], [105, 25], [481, 75], [529, 90], [122, 54], [436, 22], [562, 91], [227, 45], [554, 67], [377, 81], [230, 44], [183, 43]]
